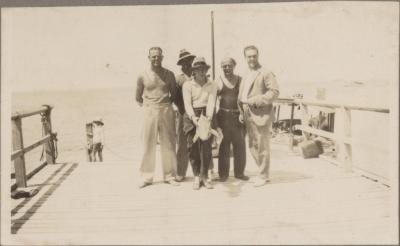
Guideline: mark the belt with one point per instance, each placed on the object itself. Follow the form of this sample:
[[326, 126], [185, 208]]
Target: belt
[[157, 105], [229, 110]]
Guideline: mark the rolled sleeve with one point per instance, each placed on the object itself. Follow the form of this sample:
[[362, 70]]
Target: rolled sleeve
[[187, 99]]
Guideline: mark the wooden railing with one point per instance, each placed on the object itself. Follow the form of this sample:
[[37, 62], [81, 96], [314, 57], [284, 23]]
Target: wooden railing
[[343, 137], [18, 154]]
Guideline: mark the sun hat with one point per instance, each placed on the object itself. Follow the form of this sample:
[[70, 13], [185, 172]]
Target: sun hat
[[199, 62], [98, 120], [185, 55]]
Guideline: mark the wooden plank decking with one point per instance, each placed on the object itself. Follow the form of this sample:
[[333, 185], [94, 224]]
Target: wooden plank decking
[[307, 202]]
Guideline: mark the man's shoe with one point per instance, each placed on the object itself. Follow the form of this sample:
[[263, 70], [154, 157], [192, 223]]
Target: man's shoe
[[212, 175], [208, 184], [260, 182], [172, 182], [196, 183], [143, 184], [223, 179], [180, 178], [242, 177]]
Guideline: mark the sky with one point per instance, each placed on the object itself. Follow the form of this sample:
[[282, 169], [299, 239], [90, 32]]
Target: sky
[[305, 42]]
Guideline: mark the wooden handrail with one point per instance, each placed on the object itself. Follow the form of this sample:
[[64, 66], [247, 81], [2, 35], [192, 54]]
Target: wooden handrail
[[284, 100], [335, 105], [27, 113], [342, 136], [18, 156], [331, 105], [20, 152], [323, 133]]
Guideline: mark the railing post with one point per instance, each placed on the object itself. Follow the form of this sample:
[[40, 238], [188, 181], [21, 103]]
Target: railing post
[[48, 146], [345, 147], [278, 113], [291, 128], [304, 119], [89, 141], [18, 143]]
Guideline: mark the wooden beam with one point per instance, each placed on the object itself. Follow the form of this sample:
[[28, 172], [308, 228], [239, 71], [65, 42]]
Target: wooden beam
[[378, 110], [278, 112], [48, 145], [31, 174], [20, 152], [36, 170], [27, 113], [346, 150], [291, 128], [284, 100], [334, 105], [19, 162], [304, 120], [89, 141], [323, 133]]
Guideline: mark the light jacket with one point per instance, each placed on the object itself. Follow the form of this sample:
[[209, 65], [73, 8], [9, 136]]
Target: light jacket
[[263, 91]]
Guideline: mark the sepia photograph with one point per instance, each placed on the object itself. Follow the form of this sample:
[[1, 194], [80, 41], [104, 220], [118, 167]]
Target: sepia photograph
[[268, 123]]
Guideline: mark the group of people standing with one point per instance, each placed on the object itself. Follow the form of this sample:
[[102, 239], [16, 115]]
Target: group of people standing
[[234, 105]]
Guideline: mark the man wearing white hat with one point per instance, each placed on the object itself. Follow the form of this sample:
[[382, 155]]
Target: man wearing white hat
[[155, 91]]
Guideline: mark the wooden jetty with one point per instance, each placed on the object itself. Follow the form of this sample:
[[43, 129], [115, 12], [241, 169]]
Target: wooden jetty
[[311, 201]]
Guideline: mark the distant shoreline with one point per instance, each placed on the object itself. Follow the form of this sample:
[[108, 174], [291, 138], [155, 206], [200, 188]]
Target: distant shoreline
[[331, 84], [73, 89]]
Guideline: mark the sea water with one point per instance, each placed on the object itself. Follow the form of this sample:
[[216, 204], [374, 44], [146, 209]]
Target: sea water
[[72, 110], [123, 124]]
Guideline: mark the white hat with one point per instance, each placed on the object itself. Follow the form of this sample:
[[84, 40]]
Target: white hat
[[98, 120]]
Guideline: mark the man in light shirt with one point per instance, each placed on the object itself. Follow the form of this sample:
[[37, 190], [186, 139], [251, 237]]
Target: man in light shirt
[[199, 96], [155, 91], [98, 139], [258, 91]]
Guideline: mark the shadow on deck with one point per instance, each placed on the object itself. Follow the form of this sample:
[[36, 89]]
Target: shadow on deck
[[307, 202]]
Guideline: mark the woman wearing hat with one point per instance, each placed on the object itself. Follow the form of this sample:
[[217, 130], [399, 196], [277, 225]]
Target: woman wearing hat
[[199, 96]]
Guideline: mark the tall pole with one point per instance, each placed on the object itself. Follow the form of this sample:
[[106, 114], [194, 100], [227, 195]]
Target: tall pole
[[212, 45]]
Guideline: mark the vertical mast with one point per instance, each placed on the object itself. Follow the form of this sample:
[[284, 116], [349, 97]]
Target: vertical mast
[[212, 45]]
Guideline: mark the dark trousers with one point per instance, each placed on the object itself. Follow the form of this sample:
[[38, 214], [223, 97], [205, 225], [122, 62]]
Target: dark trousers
[[234, 135], [182, 152], [97, 150], [200, 152], [200, 158]]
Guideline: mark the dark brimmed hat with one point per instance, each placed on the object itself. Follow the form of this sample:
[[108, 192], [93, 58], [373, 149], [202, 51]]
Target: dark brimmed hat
[[199, 62], [185, 55]]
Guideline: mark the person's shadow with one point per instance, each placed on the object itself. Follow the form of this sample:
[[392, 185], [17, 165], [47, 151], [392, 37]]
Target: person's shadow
[[233, 187], [17, 223]]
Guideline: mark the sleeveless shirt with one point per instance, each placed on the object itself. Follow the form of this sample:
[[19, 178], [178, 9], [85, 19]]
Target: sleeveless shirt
[[229, 96]]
